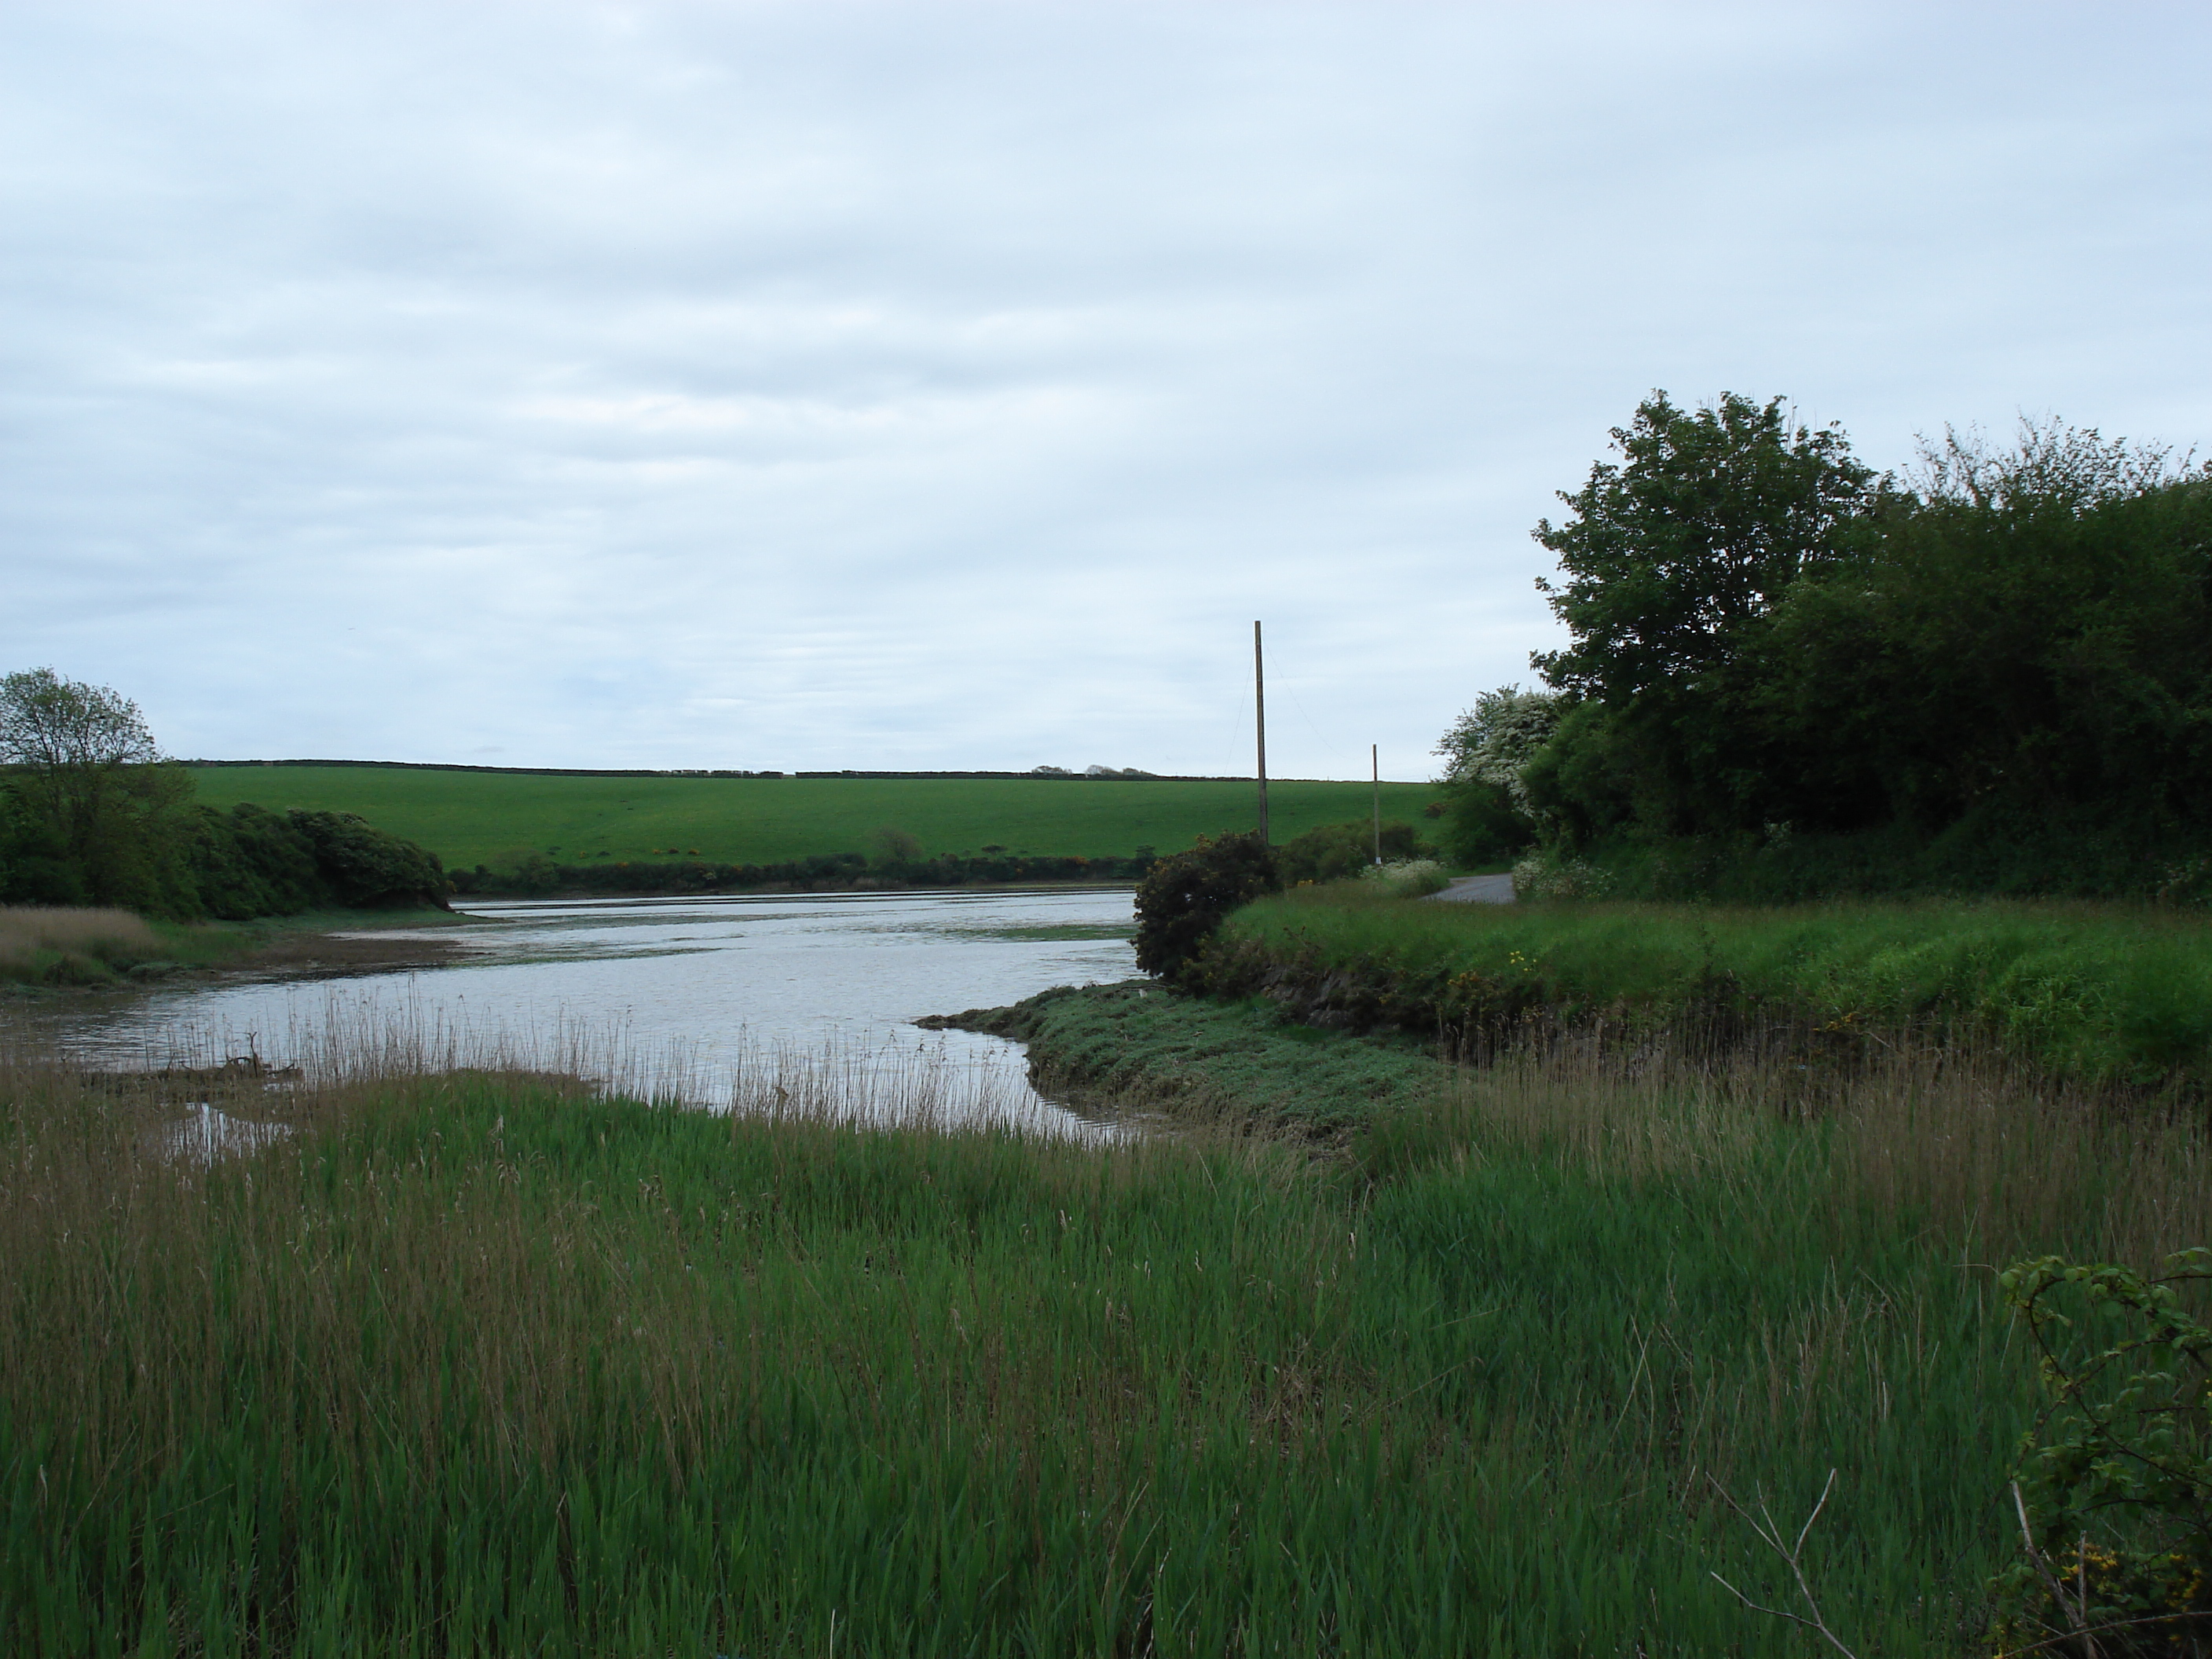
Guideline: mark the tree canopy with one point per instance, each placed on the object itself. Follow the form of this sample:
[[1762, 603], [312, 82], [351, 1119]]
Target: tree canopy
[[1990, 674], [90, 813], [1708, 518]]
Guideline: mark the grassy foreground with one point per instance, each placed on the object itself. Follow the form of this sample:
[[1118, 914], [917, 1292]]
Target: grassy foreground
[[476, 1365], [2105, 991], [469, 818]]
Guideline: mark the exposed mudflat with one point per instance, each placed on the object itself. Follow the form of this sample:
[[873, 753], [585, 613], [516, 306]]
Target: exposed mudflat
[[305, 955]]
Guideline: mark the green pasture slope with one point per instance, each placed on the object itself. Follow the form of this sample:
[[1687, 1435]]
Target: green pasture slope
[[469, 818]]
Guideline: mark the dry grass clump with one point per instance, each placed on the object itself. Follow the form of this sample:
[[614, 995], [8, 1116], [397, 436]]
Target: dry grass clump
[[28, 931], [1961, 1141]]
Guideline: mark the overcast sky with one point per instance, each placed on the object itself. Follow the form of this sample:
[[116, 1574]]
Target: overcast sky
[[946, 386]]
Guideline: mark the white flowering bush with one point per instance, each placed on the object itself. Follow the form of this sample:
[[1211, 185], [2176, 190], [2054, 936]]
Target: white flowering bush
[[1549, 875], [1491, 742], [1408, 878]]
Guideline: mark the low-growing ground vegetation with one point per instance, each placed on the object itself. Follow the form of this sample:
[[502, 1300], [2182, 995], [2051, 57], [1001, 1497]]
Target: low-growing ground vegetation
[[467, 1363], [2107, 992]]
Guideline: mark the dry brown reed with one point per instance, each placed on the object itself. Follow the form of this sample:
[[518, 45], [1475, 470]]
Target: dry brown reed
[[26, 930], [1957, 1140]]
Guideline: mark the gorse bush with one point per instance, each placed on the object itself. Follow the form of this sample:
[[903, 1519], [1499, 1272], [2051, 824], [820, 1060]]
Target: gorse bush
[[248, 862]]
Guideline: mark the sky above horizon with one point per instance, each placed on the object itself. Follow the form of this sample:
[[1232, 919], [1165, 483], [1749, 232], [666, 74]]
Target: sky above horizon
[[945, 385]]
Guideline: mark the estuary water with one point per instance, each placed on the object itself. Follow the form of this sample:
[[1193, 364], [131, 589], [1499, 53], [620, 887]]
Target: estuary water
[[696, 999]]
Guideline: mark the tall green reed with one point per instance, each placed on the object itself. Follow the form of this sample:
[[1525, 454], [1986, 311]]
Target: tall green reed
[[480, 1363]]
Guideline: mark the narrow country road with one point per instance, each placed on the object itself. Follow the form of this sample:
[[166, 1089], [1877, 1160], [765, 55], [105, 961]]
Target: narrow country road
[[1477, 890]]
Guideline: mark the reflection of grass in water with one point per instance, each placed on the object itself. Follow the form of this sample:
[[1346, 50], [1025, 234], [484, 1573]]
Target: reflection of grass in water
[[548, 953], [481, 1362], [1072, 930]]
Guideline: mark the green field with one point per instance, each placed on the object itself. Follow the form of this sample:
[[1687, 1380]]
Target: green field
[[469, 818]]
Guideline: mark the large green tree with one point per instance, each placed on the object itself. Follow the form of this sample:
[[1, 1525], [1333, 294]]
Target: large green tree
[[1700, 528], [1672, 562], [94, 804], [1992, 675]]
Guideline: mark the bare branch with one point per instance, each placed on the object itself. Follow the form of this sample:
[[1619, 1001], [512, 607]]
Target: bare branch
[[1770, 1534]]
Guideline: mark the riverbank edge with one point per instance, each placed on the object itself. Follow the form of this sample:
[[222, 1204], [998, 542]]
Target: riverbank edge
[[786, 890], [311, 942], [1245, 1064], [2099, 997]]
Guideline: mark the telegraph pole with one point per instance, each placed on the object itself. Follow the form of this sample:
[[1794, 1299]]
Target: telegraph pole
[[1260, 709], [1375, 760]]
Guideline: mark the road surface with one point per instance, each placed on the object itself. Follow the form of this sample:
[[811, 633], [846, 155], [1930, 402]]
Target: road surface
[[1477, 890]]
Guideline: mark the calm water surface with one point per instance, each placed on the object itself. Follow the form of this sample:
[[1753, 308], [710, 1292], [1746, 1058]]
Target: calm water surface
[[685, 989]]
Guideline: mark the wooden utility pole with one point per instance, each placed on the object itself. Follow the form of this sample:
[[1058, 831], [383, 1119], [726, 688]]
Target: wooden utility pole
[[1260, 708], [1375, 760]]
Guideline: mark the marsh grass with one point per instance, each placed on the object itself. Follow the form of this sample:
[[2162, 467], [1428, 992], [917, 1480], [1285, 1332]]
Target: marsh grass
[[2103, 992], [486, 1362], [43, 942], [82, 945]]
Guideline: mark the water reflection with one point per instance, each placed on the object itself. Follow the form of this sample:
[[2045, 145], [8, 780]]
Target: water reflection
[[681, 997]]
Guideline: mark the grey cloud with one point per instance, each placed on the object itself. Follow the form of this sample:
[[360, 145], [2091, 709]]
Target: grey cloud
[[946, 385]]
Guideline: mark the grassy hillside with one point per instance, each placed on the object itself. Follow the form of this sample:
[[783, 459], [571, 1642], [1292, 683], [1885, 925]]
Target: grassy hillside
[[469, 818]]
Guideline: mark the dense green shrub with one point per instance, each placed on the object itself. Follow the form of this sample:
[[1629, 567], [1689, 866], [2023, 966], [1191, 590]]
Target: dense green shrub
[[1336, 850], [250, 862], [2115, 1487], [363, 866], [199, 862], [1483, 824], [90, 814], [1182, 901]]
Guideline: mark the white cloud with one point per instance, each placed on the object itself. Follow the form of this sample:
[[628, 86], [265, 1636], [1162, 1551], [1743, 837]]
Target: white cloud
[[822, 385]]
